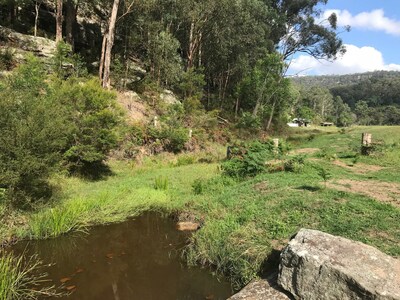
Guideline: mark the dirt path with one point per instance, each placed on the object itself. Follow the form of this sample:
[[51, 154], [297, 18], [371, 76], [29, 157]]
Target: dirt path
[[358, 168], [387, 192], [304, 151]]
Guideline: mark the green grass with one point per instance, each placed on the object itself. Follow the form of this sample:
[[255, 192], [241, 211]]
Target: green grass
[[20, 278], [127, 193], [243, 220]]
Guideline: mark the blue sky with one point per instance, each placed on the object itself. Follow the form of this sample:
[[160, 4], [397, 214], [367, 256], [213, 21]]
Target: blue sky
[[372, 44]]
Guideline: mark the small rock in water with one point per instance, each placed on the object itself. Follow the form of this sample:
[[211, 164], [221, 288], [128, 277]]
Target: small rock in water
[[187, 226]]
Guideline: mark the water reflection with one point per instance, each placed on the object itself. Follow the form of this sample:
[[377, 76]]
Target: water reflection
[[138, 259]]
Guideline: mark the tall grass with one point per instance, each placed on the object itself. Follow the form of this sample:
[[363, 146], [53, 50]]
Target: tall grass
[[21, 279], [56, 221]]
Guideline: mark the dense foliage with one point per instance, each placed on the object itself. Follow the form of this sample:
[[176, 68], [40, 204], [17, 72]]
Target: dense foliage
[[45, 125], [368, 99], [33, 133], [232, 52]]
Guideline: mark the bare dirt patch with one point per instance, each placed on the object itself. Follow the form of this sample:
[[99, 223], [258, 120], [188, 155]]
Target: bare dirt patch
[[304, 151], [387, 192], [358, 168], [135, 109]]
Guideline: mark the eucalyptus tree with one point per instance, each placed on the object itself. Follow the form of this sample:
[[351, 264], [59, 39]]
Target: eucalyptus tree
[[300, 28]]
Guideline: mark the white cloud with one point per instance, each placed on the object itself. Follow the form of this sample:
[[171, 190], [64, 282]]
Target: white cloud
[[373, 20], [356, 60]]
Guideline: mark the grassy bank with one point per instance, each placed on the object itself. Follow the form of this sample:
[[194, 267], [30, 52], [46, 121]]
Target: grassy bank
[[244, 221]]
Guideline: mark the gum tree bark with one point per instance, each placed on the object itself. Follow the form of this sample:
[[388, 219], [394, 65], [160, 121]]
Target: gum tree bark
[[59, 20], [108, 43]]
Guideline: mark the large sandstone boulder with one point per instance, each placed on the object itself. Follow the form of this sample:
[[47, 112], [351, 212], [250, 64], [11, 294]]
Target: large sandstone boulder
[[21, 43], [317, 265]]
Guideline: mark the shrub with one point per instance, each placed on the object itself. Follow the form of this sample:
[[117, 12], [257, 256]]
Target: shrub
[[248, 121], [93, 119], [33, 134], [185, 160], [324, 174], [295, 164], [248, 160], [7, 61], [66, 63], [198, 186], [174, 139]]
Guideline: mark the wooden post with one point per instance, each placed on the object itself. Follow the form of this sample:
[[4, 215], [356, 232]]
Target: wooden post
[[190, 133], [276, 145], [155, 121], [366, 143], [366, 139]]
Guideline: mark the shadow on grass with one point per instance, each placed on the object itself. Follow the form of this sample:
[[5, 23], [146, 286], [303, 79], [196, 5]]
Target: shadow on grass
[[309, 188], [92, 172]]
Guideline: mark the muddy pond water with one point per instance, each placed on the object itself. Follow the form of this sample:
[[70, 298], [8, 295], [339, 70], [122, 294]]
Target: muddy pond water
[[137, 259]]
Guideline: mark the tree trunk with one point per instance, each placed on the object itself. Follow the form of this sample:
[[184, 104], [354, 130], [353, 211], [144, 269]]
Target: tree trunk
[[109, 45], [70, 22], [37, 8], [59, 21], [259, 98], [12, 11], [103, 54], [191, 47], [237, 108], [271, 115]]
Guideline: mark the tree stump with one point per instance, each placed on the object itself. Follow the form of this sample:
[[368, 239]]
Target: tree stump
[[276, 145], [366, 143]]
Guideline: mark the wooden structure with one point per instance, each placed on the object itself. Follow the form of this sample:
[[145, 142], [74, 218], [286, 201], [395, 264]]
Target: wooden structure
[[366, 143], [366, 139]]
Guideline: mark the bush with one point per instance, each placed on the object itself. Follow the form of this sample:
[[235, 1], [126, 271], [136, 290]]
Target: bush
[[66, 63], [174, 140], [185, 160], [295, 164], [33, 134], [248, 160], [198, 186], [93, 119], [7, 61], [248, 121]]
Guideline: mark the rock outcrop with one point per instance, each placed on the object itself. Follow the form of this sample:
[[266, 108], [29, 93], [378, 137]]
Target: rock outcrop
[[23, 43], [262, 289], [169, 97], [317, 265]]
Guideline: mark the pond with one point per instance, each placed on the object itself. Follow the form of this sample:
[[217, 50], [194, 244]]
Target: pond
[[137, 259]]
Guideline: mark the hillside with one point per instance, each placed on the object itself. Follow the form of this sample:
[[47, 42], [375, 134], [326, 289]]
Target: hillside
[[331, 81]]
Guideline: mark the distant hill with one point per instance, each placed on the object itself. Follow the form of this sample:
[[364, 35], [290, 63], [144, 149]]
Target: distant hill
[[380, 88], [331, 81]]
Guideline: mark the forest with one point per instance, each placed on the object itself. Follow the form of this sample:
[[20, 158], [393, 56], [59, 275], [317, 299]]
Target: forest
[[369, 98]]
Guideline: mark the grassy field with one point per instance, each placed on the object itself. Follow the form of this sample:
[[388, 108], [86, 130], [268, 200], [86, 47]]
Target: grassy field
[[244, 221]]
